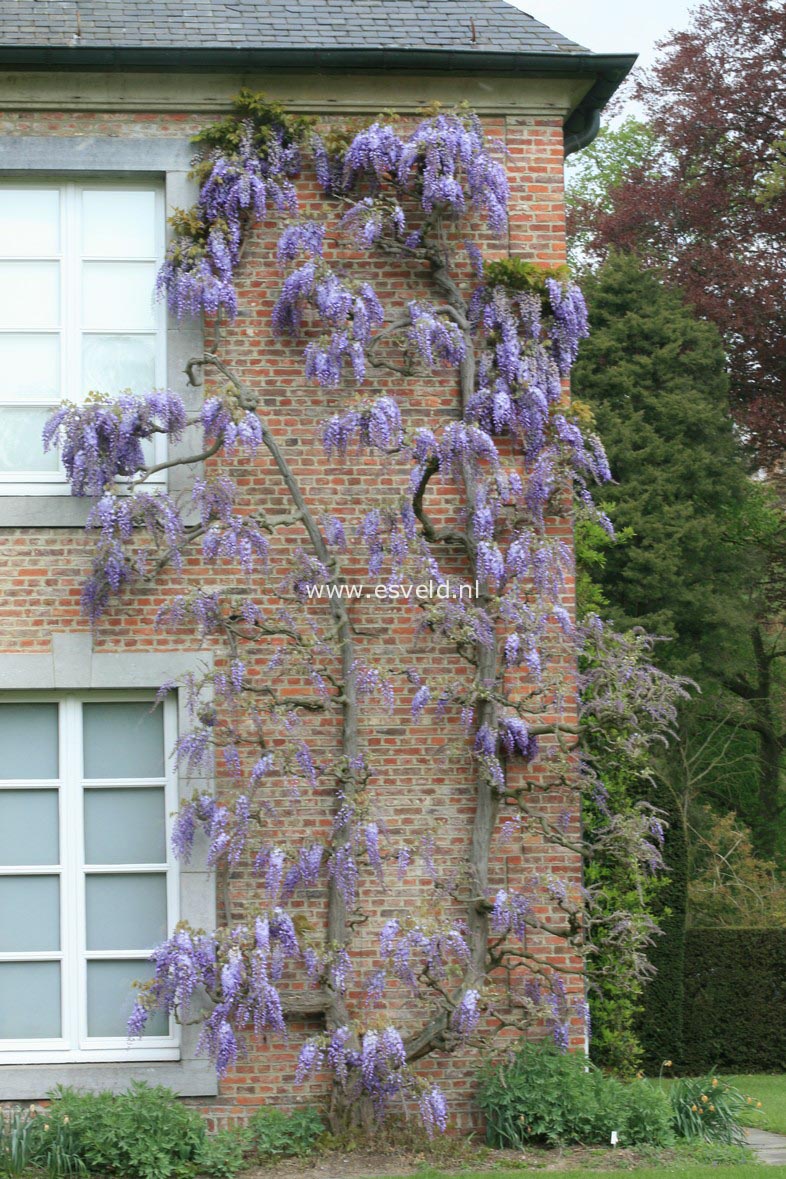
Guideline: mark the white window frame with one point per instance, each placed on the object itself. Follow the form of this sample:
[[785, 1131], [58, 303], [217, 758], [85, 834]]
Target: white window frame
[[74, 1045], [70, 328]]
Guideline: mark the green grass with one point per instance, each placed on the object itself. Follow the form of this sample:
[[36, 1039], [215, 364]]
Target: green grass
[[680, 1170], [771, 1092]]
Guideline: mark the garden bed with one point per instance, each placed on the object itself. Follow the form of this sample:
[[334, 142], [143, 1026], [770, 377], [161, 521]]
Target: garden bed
[[464, 1158]]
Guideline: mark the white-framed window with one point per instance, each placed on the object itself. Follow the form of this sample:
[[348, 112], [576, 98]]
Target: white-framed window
[[88, 885], [78, 261]]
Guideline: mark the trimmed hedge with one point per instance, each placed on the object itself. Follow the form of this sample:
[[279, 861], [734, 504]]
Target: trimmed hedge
[[734, 1012]]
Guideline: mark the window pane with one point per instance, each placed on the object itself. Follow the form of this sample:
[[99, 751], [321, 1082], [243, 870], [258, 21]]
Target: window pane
[[125, 827], [110, 997], [126, 912], [30, 366], [29, 1000], [29, 913], [119, 224], [113, 363], [29, 295], [21, 448], [28, 827], [118, 294], [124, 740], [28, 741], [29, 221]]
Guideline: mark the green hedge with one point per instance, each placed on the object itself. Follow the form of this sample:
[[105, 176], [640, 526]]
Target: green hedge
[[734, 1012]]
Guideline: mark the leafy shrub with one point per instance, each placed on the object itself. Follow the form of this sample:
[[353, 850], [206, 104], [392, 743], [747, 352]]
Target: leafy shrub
[[276, 1134], [145, 1133], [708, 1108], [222, 1155], [540, 1095], [648, 1115]]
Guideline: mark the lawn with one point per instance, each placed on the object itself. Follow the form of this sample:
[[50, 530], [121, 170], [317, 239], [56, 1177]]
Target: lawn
[[769, 1089], [771, 1092], [752, 1171]]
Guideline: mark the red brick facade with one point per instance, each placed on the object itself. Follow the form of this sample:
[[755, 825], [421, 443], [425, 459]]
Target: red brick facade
[[422, 773]]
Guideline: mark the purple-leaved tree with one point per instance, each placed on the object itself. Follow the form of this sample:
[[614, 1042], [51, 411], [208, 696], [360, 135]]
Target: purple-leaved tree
[[471, 492]]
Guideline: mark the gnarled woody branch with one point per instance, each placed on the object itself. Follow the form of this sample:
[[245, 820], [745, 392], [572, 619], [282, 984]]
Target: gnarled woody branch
[[338, 930], [487, 673]]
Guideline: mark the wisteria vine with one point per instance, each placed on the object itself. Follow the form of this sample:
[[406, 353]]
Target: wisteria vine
[[477, 488]]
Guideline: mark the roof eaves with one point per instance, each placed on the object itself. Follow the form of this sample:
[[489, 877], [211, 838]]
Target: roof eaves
[[608, 70], [214, 58]]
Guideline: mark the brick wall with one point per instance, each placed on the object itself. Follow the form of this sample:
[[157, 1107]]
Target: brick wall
[[422, 773]]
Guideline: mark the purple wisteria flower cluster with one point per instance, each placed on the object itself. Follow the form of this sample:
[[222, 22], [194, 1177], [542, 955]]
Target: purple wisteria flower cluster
[[201, 260], [413, 951], [349, 309], [103, 440], [547, 998], [437, 340], [369, 220], [520, 371], [240, 971], [624, 698], [374, 425], [106, 451], [444, 162], [118, 521], [373, 1067]]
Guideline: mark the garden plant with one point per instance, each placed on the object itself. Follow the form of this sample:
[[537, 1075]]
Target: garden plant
[[468, 493], [144, 1133]]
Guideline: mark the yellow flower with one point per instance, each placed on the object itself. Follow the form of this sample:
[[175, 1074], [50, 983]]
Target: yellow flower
[[46, 1125], [704, 1098], [749, 1100], [667, 1064], [758, 1105], [711, 1108], [693, 1108], [65, 1120], [714, 1082], [700, 1112]]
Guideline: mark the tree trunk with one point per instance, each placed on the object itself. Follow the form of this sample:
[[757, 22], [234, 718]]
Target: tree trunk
[[769, 751]]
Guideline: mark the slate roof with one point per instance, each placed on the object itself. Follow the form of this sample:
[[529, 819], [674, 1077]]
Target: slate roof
[[484, 26]]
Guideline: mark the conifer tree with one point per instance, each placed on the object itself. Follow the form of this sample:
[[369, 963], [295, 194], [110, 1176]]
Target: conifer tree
[[654, 377]]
